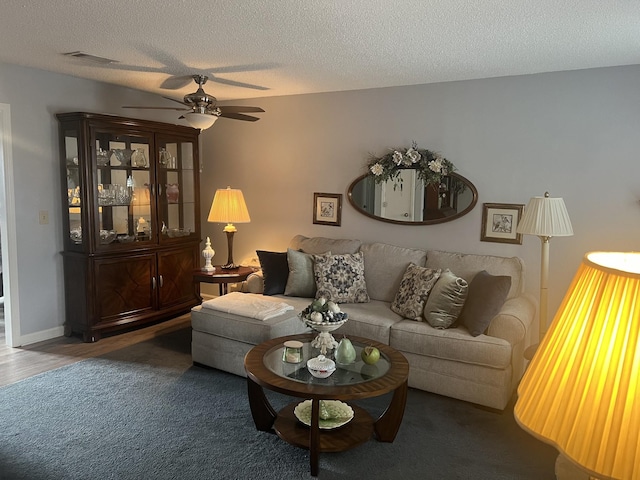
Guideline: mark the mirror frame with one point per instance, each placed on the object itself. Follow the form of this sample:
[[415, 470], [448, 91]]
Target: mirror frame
[[434, 221]]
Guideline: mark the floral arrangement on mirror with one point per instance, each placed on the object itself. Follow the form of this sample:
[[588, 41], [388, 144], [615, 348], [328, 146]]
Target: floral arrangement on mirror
[[430, 166]]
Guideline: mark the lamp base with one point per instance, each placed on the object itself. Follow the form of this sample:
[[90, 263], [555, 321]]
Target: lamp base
[[230, 266]]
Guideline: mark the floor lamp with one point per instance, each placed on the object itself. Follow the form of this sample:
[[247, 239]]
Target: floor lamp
[[580, 392], [545, 217], [229, 207]]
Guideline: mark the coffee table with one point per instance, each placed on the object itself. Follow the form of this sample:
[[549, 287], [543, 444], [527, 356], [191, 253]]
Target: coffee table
[[265, 369]]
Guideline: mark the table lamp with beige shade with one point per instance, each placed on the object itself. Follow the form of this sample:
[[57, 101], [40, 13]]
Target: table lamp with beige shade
[[229, 207]]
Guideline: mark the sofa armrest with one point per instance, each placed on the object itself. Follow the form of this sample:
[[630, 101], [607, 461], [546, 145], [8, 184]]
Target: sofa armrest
[[253, 284], [514, 321], [513, 324]]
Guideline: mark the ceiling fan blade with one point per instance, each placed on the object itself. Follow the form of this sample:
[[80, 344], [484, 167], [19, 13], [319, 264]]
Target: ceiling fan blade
[[157, 108], [239, 116], [231, 109], [176, 82], [252, 67], [233, 83], [174, 100]]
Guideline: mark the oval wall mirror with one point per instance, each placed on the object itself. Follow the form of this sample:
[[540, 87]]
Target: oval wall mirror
[[407, 201]]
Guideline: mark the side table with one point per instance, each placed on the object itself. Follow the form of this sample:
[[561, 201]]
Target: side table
[[222, 277]]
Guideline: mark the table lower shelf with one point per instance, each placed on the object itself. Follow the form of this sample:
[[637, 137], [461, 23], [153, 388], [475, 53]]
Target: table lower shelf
[[358, 431]]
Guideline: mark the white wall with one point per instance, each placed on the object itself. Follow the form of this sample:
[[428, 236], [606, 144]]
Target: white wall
[[574, 134], [35, 97]]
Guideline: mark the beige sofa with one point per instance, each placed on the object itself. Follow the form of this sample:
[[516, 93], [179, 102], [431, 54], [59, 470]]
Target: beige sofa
[[484, 369]]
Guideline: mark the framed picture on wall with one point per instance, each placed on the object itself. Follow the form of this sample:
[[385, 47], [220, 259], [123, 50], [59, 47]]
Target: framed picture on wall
[[327, 208], [499, 222]]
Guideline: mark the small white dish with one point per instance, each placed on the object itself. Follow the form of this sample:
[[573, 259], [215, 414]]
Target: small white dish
[[321, 366]]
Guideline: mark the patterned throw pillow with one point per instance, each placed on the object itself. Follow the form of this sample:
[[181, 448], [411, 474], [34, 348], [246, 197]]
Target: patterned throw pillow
[[340, 278], [414, 290]]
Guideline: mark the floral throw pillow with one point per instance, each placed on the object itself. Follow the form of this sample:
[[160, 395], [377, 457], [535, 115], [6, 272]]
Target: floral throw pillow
[[414, 290], [340, 278]]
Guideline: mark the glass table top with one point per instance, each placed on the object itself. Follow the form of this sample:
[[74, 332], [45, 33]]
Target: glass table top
[[352, 374]]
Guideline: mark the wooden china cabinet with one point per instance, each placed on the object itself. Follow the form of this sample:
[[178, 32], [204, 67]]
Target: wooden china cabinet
[[131, 221]]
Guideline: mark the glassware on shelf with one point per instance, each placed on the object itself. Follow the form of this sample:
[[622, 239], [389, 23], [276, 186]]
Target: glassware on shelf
[[102, 157], [74, 195], [165, 157], [114, 194], [139, 159], [123, 155], [76, 235], [122, 194], [106, 194], [173, 192]]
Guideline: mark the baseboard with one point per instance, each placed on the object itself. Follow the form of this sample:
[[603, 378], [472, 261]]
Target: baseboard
[[40, 336]]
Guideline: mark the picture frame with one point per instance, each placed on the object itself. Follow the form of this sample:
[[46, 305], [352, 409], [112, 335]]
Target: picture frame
[[327, 209], [499, 222]]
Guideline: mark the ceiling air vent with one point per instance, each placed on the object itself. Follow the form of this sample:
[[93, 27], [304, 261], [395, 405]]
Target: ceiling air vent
[[90, 58]]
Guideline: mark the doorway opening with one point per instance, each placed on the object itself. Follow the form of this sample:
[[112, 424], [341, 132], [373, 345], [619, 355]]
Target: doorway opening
[[10, 322]]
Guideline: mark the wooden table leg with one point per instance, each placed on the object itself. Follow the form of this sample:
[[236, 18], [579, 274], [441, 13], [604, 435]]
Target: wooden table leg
[[263, 413], [314, 437], [387, 426]]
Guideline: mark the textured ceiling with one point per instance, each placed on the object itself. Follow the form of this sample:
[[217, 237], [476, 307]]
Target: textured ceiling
[[258, 48]]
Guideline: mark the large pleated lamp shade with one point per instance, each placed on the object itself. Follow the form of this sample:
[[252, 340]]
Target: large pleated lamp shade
[[580, 392], [229, 207]]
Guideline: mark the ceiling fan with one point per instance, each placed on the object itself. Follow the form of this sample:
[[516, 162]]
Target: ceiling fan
[[201, 108]]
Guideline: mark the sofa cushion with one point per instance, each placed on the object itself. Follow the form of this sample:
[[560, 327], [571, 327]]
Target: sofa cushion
[[275, 271], [414, 290], [468, 265], [455, 344], [320, 245], [340, 278], [249, 330], [487, 294], [446, 300], [301, 281], [371, 320], [384, 267]]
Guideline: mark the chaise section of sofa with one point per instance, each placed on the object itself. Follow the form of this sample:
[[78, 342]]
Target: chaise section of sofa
[[483, 369]]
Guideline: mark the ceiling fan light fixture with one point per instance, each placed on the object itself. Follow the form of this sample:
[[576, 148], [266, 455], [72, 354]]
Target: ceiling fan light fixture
[[200, 120]]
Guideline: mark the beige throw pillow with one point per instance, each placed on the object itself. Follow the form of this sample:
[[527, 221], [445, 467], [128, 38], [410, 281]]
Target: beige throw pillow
[[446, 300], [414, 290]]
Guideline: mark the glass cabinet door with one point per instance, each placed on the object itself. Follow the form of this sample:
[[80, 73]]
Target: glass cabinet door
[[123, 188], [74, 185], [176, 188]]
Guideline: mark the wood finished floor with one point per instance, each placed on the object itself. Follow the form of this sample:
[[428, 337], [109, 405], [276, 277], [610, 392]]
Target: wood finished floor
[[23, 362]]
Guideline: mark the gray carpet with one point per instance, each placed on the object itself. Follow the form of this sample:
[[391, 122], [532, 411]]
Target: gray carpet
[[145, 413]]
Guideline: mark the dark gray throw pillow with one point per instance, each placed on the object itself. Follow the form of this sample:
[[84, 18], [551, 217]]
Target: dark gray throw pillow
[[487, 294], [275, 271]]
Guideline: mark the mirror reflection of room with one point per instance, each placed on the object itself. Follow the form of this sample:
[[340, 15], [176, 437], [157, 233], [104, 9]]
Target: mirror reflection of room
[[406, 199]]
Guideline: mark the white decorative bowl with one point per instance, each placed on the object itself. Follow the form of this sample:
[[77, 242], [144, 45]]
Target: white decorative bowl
[[324, 341], [321, 366]]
